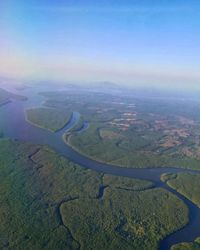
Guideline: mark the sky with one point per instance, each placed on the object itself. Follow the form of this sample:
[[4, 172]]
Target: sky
[[145, 42]]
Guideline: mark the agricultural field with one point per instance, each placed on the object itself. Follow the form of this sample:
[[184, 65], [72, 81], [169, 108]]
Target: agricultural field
[[133, 131], [47, 201]]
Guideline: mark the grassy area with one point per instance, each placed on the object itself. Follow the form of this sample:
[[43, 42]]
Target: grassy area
[[185, 183], [188, 246], [47, 202], [48, 118]]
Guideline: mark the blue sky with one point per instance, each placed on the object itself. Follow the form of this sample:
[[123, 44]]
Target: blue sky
[[134, 42]]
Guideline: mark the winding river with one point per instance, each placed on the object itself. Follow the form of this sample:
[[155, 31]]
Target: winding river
[[14, 126]]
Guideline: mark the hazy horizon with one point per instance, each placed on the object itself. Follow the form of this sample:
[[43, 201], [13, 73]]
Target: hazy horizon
[[148, 43]]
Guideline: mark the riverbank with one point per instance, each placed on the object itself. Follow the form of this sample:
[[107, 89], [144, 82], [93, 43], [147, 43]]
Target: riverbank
[[50, 119], [67, 136]]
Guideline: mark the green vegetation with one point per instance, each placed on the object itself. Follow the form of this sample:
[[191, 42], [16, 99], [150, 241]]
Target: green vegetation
[[34, 181], [123, 219], [104, 145], [126, 183], [188, 246], [6, 97], [48, 118], [168, 176], [185, 183], [133, 131], [47, 202], [188, 185]]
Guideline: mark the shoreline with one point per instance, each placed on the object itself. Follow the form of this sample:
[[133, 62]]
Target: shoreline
[[41, 127], [67, 142], [35, 124]]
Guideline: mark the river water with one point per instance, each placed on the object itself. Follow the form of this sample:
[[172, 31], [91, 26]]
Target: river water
[[14, 126]]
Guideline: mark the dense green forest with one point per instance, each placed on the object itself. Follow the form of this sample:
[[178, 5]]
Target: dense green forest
[[188, 185], [47, 200], [185, 183]]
